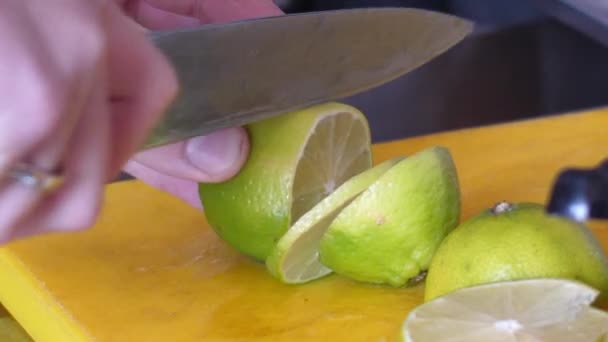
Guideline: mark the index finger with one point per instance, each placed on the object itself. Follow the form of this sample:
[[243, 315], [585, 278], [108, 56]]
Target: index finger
[[216, 11], [142, 84]]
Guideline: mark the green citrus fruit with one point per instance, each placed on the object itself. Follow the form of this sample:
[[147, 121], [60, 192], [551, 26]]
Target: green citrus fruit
[[516, 241], [388, 234], [296, 160], [555, 310], [295, 258]]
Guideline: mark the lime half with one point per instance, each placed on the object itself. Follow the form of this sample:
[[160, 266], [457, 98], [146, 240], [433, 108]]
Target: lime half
[[555, 310], [516, 241], [389, 233], [295, 258], [296, 160]]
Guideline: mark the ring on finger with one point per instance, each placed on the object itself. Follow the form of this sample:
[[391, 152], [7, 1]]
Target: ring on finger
[[36, 178]]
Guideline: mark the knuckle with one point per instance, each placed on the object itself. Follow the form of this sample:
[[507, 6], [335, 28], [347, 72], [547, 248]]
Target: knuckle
[[46, 104], [93, 40], [84, 39], [79, 212], [168, 85], [83, 219]]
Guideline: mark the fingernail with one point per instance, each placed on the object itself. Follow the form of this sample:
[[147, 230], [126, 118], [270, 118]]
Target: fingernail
[[217, 153]]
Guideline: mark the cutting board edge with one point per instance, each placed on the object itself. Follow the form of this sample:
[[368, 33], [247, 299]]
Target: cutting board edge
[[18, 281]]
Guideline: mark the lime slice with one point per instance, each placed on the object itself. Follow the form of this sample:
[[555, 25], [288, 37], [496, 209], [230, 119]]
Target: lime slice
[[296, 160], [524, 310], [295, 258], [388, 234]]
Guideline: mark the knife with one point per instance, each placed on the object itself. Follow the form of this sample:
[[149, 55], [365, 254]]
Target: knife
[[236, 73]]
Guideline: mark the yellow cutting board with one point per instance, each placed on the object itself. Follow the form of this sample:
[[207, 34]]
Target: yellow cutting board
[[152, 270]]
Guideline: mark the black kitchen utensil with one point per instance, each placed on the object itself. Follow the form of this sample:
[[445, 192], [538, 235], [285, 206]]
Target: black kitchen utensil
[[581, 194]]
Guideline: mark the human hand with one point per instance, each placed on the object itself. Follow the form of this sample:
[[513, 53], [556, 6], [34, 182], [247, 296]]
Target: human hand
[[81, 88], [177, 168]]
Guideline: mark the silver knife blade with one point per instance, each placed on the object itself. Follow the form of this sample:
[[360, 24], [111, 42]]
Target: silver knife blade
[[237, 73]]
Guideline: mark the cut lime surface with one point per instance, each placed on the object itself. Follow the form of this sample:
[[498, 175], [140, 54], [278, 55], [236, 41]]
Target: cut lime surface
[[555, 310], [295, 258], [296, 160]]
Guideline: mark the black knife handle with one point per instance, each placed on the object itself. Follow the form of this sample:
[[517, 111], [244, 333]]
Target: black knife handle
[[581, 194]]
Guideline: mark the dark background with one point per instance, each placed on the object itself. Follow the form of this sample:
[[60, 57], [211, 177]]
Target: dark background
[[525, 59]]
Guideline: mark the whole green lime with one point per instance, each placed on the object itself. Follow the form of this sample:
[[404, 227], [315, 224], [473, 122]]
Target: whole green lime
[[514, 242]]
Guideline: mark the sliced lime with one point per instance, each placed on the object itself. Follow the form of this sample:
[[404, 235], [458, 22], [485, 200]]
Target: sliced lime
[[295, 258], [296, 160], [541, 309]]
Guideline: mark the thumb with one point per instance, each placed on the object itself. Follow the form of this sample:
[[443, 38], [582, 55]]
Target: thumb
[[215, 157]]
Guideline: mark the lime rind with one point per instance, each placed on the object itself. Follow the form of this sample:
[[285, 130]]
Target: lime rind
[[252, 210], [389, 233], [295, 258], [481, 250]]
